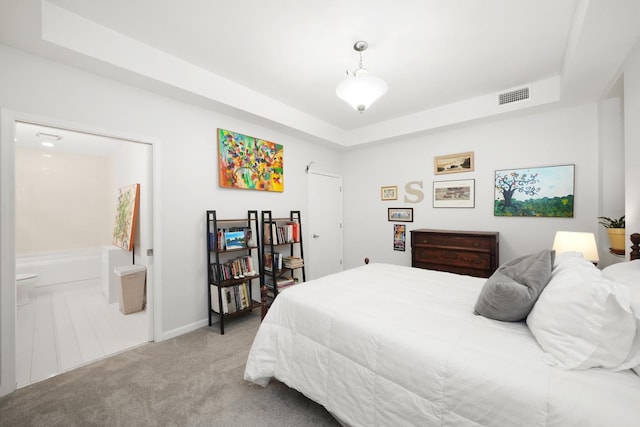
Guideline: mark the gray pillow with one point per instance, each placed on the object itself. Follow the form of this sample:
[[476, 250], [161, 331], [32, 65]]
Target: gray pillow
[[510, 293]]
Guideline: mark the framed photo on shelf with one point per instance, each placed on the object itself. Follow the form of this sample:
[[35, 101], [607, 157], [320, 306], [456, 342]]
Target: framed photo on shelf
[[399, 237], [389, 192], [400, 214], [453, 163], [235, 240], [454, 194]]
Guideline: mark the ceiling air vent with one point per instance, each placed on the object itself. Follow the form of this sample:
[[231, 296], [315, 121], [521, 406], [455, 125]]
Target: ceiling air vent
[[513, 96]]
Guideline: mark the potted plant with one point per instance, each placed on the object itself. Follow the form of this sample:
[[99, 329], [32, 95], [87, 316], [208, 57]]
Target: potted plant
[[615, 229]]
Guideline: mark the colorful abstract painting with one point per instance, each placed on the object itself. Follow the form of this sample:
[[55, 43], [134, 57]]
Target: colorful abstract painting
[[125, 223], [249, 163], [543, 192]]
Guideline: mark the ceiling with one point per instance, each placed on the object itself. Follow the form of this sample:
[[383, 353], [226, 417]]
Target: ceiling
[[281, 60], [50, 141]]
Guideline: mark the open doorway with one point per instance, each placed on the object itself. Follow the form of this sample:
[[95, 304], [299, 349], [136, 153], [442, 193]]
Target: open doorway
[[66, 188]]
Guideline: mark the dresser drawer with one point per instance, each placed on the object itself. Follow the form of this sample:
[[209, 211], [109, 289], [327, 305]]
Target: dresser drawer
[[462, 241], [469, 259], [464, 252]]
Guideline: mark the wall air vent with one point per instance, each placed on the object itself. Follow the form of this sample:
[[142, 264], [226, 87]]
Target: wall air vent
[[513, 96]]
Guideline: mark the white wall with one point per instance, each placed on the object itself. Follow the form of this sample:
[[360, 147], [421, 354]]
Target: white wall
[[62, 201], [611, 158], [632, 140], [186, 165], [567, 136]]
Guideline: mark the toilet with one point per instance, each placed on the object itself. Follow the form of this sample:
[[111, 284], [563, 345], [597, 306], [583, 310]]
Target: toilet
[[24, 283]]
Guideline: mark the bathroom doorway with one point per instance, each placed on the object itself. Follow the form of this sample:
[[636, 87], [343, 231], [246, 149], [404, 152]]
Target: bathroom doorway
[[66, 188]]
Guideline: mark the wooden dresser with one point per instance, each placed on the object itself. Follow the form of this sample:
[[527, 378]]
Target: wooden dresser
[[474, 253]]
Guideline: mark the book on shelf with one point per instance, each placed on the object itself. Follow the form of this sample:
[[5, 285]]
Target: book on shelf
[[282, 233], [281, 284], [272, 261], [234, 298], [294, 228], [237, 268]]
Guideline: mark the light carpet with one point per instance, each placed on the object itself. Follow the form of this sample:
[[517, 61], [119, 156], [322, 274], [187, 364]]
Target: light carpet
[[192, 380]]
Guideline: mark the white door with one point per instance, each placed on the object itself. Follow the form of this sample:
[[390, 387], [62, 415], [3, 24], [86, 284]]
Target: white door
[[323, 252]]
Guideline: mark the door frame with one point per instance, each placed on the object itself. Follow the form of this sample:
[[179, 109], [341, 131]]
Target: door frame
[[8, 118]]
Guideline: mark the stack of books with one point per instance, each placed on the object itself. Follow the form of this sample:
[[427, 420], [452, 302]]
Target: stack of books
[[282, 284], [293, 262]]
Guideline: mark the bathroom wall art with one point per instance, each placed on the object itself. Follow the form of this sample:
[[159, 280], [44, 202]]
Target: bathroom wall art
[[126, 214]]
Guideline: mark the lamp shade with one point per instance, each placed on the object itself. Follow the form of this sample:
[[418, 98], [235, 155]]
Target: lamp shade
[[361, 91], [572, 241]]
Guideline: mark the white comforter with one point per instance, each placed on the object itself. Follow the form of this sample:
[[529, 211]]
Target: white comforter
[[384, 345]]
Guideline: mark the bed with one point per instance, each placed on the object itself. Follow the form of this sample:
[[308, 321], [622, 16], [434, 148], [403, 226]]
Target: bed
[[387, 345]]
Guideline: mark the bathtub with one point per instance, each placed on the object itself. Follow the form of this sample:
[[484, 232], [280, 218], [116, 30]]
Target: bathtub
[[61, 267]]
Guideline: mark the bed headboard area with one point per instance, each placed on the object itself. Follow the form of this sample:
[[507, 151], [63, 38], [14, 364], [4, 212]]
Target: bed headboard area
[[635, 248]]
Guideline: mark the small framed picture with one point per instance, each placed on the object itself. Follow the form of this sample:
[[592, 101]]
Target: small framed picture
[[399, 237], [400, 214], [454, 194], [389, 193], [453, 163]]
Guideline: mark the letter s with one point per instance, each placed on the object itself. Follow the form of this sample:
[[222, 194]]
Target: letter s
[[419, 195]]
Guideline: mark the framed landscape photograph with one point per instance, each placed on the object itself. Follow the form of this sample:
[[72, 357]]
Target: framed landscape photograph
[[454, 194], [540, 191], [453, 163], [389, 193], [400, 214]]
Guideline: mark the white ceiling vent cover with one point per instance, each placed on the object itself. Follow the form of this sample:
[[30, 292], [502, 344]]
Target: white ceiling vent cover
[[513, 96]]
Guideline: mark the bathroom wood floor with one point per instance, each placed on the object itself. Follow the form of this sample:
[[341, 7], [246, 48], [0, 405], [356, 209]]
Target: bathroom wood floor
[[69, 325]]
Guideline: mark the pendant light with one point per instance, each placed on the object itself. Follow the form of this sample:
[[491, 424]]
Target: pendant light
[[361, 90]]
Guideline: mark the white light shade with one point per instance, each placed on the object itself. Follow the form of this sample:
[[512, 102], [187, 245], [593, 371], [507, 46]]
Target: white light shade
[[361, 91], [571, 241]]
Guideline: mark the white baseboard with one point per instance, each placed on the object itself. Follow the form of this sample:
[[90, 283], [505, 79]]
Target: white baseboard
[[183, 330]]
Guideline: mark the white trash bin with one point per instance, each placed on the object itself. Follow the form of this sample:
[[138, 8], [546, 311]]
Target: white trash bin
[[131, 291]]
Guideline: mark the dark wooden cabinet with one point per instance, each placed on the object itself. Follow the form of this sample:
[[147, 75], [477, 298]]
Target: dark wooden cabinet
[[474, 253]]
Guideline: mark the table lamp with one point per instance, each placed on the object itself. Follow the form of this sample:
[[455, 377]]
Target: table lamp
[[572, 241]]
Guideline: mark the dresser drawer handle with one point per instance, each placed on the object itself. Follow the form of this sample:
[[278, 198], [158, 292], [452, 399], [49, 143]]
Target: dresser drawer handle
[[476, 244]]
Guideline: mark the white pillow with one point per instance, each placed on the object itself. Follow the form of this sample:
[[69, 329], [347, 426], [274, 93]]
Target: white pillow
[[582, 320], [627, 273], [565, 257]]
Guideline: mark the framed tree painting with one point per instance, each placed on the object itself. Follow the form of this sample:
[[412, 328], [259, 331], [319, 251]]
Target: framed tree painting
[[249, 163], [126, 214], [541, 191]]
